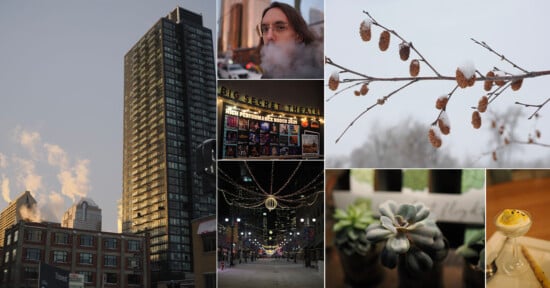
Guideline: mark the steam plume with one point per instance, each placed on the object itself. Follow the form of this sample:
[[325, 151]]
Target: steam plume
[[292, 60], [6, 188]]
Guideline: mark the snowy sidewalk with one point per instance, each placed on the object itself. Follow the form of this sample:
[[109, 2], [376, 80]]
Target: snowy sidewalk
[[267, 273]]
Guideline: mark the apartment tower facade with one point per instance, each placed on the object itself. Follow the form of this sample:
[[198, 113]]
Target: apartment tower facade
[[169, 111]]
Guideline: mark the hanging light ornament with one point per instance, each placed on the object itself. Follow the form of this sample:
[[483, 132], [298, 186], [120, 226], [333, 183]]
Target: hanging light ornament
[[270, 202]]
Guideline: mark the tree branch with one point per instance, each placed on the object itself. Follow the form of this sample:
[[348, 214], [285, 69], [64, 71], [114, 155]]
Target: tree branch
[[486, 46], [539, 106], [448, 99], [380, 101], [402, 39]]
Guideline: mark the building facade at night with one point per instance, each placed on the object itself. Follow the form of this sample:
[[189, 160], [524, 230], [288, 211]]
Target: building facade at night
[[169, 111], [104, 259]]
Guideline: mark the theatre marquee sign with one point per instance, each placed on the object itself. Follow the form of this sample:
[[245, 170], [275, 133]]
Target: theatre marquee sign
[[266, 104]]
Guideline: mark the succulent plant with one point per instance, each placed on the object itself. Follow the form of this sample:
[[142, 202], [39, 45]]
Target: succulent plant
[[351, 225], [408, 232], [473, 249]]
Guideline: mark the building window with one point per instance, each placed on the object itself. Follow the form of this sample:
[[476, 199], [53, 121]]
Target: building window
[[33, 254], [87, 240], [61, 238], [86, 258], [110, 243], [13, 254], [133, 279], [60, 256], [7, 257], [87, 276], [209, 243], [15, 236], [111, 278], [31, 273], [8, 239], [34, 235], [133, 263], [109, 261], [134, 245]]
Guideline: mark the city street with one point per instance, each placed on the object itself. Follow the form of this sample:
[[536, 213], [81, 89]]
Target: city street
[[269, 272]]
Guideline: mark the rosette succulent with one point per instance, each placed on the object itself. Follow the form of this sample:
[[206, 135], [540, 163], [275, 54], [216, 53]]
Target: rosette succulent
[[350, 227], [409, 236]]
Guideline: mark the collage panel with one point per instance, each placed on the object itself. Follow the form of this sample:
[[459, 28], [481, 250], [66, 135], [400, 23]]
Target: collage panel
[[271, 223], [518, 239], [265, 39], [405, 228], [390, 104], [270, 119]]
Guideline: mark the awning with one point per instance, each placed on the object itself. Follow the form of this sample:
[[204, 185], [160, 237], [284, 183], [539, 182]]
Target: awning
[[207, 226]]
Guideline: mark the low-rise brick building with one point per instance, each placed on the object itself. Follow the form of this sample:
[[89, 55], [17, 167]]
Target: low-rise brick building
[[105, 259]]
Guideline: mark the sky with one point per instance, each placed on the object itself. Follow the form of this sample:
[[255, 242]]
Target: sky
[[441, 31], [61, 97]]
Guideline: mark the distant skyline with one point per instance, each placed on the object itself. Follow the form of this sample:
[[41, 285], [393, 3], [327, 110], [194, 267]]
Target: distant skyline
[[61, 97]]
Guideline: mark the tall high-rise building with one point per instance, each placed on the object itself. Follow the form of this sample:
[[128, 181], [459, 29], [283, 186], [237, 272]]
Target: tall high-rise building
[[22, 208], [84, 214], [169, 111]]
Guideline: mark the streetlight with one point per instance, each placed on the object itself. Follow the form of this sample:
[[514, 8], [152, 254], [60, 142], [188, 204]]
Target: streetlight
[[238, 220]]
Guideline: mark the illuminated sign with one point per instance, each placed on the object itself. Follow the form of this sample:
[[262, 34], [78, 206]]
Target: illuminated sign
[[265, 104]]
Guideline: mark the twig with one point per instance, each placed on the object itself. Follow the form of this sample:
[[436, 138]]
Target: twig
[[342, 90], [448, 99], [384, 99], [402, 39], [486, 46], [539, 106]]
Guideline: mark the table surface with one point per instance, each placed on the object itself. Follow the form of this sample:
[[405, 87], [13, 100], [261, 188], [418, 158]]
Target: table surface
[[532, 195]]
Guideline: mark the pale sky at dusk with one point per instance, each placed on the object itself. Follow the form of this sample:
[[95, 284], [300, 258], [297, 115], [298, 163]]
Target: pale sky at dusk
[[61, 97]]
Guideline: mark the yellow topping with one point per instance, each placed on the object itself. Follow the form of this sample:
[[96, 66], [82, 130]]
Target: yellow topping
[[513, 217]]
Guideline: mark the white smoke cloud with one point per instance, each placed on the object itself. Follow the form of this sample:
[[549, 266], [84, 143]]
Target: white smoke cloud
[[3, 161], [72, 176], [30, 141], [52, 206], [30, 213], [56, 156], [292, 60], [6, 188], [27, 177], [74, 181]]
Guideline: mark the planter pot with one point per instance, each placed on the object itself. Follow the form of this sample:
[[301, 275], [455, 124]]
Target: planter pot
[[473, 276], [432, 278], [362, 271]]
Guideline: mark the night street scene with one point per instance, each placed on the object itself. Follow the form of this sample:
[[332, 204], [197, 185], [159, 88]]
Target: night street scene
[[270, 224]]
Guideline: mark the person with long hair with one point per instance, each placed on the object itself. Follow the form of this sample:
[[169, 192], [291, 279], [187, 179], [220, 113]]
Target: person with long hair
[[288, 48]]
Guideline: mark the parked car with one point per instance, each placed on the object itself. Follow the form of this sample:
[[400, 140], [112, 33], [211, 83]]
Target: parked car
[[232, 71]]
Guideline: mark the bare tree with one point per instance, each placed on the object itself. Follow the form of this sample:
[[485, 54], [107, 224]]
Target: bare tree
[[399, 146]]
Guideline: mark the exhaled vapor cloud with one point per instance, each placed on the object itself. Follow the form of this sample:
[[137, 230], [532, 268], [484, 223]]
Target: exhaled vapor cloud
[[292, 60], [73, 178]]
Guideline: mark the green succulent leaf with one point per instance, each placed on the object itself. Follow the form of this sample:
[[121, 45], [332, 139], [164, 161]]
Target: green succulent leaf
[[399, 244], [407, 211], [388, 209], [388, 258], [378, 234]]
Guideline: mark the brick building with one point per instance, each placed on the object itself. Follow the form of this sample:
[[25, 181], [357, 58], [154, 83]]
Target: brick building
[[104, 259]]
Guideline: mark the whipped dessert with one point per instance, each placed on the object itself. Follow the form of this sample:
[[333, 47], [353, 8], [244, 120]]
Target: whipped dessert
[[513, 222]]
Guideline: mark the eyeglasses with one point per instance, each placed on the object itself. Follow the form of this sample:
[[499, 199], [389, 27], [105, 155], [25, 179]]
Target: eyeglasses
[[277, 27]]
